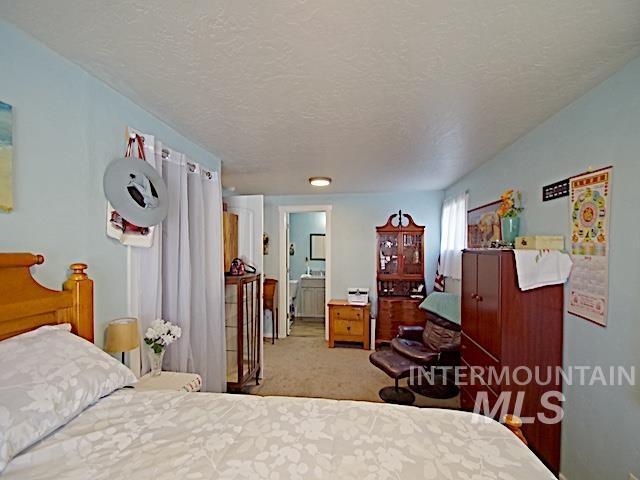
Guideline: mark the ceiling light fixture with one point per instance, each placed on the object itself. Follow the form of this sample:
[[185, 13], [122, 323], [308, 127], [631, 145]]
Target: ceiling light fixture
[[320, 181]]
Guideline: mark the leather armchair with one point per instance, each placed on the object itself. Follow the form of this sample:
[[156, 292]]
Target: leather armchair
[[436, 344]]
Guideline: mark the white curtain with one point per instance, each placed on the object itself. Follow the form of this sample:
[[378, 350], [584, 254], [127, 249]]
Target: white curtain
[[176, 259], [454, 235], [180, 278], [146, 266], [193, 278]]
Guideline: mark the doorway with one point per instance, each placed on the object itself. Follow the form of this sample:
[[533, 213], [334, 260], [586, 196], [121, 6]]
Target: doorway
[[304, 267]]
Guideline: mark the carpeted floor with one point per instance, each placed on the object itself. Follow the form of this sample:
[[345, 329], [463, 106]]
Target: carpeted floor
[[302, 365]]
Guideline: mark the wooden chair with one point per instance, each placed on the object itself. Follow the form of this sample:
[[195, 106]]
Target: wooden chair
[[269, 303]]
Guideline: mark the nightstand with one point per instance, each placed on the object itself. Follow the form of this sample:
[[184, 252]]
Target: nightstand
[[181, 382], [349, 323]]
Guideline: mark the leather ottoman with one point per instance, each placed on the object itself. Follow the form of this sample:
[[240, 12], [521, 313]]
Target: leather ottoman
[[397, 367]]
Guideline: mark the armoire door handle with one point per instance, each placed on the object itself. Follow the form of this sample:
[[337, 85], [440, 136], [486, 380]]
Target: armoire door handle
[[479, 298], [474, 296]]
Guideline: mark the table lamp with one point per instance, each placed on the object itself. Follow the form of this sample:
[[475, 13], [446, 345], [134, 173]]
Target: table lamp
[[122, 336]]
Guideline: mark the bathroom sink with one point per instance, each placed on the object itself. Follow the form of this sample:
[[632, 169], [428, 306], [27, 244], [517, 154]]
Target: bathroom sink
[[306, 275]]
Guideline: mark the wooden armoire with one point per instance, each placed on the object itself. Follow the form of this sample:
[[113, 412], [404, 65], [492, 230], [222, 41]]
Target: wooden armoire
[[400, 275], [502, 326]]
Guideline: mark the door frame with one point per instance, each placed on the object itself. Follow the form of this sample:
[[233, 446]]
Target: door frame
[[283, 251]]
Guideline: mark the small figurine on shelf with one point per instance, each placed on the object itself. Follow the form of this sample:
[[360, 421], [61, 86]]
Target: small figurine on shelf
[[509, 213]]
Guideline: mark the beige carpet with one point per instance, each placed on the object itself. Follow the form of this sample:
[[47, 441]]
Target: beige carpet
[[302, 365]]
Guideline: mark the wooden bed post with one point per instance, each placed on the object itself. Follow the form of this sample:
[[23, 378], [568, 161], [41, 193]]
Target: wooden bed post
[[514, 424], [81, 287]]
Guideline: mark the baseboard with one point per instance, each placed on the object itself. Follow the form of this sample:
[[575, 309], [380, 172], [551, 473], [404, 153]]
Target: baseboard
[[562, 477]]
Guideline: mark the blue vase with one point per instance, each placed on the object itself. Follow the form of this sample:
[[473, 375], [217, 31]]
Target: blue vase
[[510, 229]]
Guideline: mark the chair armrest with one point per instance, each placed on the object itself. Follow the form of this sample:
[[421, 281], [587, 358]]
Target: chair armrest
[[410, 332], [450, 348]]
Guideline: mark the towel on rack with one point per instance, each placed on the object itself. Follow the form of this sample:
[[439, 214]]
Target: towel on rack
[[539, 268]]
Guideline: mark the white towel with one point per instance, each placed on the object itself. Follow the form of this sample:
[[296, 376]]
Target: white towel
[[539, 268]]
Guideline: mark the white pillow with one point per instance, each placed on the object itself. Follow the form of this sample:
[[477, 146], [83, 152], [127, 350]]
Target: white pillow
[[48, 376]]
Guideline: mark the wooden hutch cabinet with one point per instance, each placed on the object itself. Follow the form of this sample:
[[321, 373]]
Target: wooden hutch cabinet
[[242, 329], [400, 275], [504, 327]]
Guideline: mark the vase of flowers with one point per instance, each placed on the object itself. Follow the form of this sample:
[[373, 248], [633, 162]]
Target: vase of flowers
[[158, 337], [509, 213]]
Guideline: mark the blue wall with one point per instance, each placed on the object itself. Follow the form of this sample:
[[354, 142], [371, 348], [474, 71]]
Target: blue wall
[[354, 220], [301, 225], [601, 430], [67, 127]]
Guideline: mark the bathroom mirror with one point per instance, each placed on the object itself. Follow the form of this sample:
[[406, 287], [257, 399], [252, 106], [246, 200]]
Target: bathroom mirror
[[316, 242]]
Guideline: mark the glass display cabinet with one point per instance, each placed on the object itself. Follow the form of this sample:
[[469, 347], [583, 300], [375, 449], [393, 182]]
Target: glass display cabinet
[[242, 329], [400, 275]]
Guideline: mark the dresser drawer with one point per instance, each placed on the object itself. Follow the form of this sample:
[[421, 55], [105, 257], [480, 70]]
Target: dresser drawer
[[347, 313], [348, 327], [469, 394], [475, 356]]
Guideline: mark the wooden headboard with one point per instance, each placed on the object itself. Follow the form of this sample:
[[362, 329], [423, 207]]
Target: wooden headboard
[[26, 305]]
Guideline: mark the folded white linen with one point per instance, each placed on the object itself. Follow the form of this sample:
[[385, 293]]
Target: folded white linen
[[539, 268]]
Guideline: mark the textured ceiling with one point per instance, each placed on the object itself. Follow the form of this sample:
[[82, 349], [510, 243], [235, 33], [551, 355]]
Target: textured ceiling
[[378, 94]]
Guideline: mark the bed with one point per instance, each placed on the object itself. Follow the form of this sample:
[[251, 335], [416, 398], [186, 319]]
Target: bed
[[167, 435]]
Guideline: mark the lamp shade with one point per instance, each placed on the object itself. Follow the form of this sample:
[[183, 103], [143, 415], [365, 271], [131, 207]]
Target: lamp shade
[[122, 335]]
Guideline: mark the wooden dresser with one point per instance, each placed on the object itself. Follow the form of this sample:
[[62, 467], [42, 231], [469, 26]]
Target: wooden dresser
[[503, 326], [349, 323]]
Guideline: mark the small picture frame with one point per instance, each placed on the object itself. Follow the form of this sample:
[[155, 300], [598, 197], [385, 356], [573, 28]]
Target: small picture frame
[[483, 225]]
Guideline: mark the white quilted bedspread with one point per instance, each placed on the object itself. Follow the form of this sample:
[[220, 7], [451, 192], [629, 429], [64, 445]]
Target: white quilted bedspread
[[171, 435]]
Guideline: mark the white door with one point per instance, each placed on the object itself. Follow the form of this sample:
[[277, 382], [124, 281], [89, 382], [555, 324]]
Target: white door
[[250, 211], [288, 287]]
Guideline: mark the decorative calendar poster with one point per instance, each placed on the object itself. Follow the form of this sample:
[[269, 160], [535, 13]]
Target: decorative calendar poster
[[590, 208]]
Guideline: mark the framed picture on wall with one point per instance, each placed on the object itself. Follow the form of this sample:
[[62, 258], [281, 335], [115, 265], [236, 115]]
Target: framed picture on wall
[[483, 225], [6, 153], [316, 246]]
